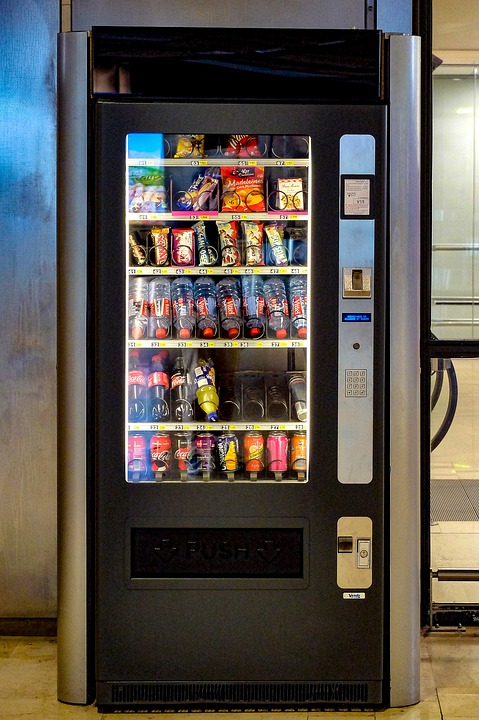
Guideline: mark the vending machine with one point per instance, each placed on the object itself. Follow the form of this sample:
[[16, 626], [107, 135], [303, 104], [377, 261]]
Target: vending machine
[[237, 346]]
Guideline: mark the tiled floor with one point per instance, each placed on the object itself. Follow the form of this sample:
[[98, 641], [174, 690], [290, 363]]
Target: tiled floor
[[449, 685]]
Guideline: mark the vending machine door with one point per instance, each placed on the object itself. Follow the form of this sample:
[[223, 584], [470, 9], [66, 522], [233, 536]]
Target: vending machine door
[[239, 404]]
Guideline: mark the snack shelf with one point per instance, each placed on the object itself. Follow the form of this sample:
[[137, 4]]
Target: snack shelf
[[218, 161], [218, 344], [214, 270], [189, 216], [220, 426]]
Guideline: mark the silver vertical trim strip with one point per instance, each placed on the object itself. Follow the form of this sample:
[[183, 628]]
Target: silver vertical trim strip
[[72, 299], [404, 368]]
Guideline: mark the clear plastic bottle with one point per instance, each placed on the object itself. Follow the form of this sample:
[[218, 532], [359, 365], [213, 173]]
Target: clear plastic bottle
[[138, 307], [158, 384], [204, 291], [181, 392], [206, 393], [228, 299], [298, 304], [184, 314], [253, 305], [277, 308], [136, 390], [159, 305]]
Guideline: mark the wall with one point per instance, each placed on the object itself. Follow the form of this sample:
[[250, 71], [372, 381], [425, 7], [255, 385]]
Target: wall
[[28, 317]]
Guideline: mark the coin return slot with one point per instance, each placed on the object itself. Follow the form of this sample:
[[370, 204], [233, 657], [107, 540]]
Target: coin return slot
[[345, 544]]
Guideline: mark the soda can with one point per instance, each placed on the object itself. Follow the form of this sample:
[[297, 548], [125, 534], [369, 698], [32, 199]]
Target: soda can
[[228, 452], [182, 451], [160, 453], [298, 452], [277, 452], [205, 452], [253, 452], [137, 460]]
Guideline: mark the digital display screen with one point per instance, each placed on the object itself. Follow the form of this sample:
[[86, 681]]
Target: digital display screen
[[356, 317]]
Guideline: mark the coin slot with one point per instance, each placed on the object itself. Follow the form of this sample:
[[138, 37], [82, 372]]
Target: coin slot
[[345, 544]]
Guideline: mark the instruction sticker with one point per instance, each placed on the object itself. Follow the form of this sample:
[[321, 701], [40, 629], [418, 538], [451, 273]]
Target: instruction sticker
[[357, 197]]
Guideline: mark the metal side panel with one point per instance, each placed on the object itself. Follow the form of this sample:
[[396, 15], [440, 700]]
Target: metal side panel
[[72, 380], [405, 368]]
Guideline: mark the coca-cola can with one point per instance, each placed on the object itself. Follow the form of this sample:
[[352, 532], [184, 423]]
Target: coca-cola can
[[277, 452], [160, 453], [182, 451], [137, 458], [205, 452], [228, 452]]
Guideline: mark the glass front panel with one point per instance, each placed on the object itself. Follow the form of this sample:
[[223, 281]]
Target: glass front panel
[[454, 478], [216, 318], [455, 295]]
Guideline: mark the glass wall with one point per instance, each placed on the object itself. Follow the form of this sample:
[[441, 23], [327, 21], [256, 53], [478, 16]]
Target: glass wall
[[455, 258]]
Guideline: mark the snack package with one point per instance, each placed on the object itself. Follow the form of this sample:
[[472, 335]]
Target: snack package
[[183, 246], [242, 146], [207, 254], [228, 232], [158, 252], [146, 190], [253, 242], [290, 194], [243, 189], [190, 146], [202, 193], [278, 252]]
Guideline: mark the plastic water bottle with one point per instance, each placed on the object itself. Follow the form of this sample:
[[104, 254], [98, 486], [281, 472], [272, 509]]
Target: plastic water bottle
[[277, 308], [204, 291], [138, 307], [159, 305], [228, 299], [253, 305], [298, 305], [184, 314], [136, 390]]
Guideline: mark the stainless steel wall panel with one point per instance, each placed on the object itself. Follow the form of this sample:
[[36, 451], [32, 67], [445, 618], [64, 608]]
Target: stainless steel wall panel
[[28, 316], [228, 13]]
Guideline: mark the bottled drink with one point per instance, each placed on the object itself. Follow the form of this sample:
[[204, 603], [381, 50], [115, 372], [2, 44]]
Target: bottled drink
[[181, 405], [228, 298], [159, 305], [277, 308], [253, 305], [136, 390], [138, 307], [158, 384], [184, 315], [298, 304], [205, 389], [204, 291]]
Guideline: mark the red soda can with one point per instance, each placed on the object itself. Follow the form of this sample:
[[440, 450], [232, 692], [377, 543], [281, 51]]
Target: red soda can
[[277, 452], [253, 452], [137, 461], [182, 451], [160, 453], [205, 452], [298, 451]]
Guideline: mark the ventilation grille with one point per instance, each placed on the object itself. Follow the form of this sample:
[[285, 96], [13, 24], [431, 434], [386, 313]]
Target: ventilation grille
[[171, 694]]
